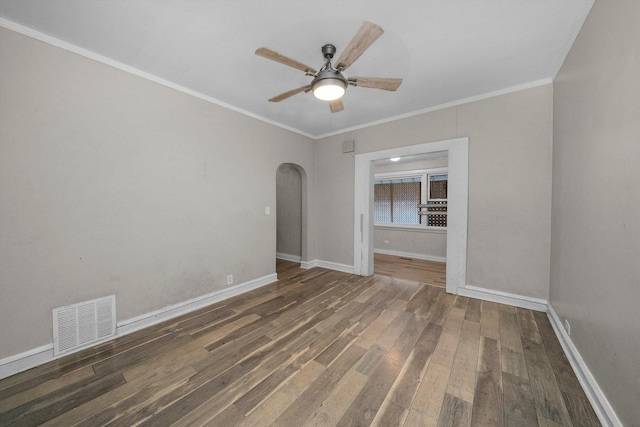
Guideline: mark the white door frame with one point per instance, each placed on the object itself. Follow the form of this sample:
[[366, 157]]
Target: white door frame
[[457, 212]]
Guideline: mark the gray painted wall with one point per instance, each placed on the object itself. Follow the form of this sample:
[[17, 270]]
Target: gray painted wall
[[420, 242], [595, 246], [510, 152], [289, 210], [112, 184]]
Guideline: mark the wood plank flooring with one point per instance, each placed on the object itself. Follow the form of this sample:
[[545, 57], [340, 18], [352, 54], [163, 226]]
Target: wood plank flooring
[[418, 270], [316, 348]]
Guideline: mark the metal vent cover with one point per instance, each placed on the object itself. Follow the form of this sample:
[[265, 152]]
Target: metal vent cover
[[76, 325]]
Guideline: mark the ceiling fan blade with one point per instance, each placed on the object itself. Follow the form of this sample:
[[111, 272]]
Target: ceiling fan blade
[[289, 94], [376, 82], [366, 35], [336, 105], [275, 56]]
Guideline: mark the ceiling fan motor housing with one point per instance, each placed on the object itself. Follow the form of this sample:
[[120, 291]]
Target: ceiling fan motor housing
[[328, 50]]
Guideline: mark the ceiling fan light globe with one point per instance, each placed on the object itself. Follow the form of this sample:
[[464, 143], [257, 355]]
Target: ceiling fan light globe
[[329, 84], [329, 89]]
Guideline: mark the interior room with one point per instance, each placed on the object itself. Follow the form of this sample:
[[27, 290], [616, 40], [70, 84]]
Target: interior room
[[198, 228], [411, 243]]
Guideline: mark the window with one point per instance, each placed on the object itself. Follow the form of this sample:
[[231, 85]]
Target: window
[[396, 200], [407, 199], [437, 200]]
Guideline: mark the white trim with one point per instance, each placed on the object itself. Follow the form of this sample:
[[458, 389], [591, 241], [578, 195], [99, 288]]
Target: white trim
[[31, 358], [171, 311], [21, 362], [458, 165], [309, 264], [410, 255], [442, 106], [328, 265], [335, 266], [537, 304], [127, 68], [597, 398], [288, 257]]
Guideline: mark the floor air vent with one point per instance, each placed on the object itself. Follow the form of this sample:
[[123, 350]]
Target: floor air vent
[[80, 324]]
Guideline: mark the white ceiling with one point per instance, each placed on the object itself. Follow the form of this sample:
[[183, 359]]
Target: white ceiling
[[436, 155], [445, 51]]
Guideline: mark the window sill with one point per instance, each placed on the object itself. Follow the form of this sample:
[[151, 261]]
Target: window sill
[[412, 228]]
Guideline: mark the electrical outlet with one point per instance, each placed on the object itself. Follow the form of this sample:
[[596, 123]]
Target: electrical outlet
[[386, 241], [230, 279], [567, 326]]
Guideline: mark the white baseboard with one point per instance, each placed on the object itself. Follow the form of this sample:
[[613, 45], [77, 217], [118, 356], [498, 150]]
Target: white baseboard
[[288, 257], [308, 264], [31, 358], [521, 301], [598, 400], [411, 255], [328, 265], [335, 266], [21, 362], [175, 310]]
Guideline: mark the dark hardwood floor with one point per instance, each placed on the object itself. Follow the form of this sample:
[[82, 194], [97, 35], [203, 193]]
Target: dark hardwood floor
[[316, 348], [417, 270]]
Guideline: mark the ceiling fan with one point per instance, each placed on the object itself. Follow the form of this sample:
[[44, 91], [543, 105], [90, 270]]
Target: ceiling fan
[[329, 84]]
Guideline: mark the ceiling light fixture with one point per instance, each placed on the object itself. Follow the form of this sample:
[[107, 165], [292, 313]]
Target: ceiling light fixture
[[329, 84], [394, 159]]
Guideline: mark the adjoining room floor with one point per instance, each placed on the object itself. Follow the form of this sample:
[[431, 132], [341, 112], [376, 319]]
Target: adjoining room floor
[[320, 348], [418, 270]]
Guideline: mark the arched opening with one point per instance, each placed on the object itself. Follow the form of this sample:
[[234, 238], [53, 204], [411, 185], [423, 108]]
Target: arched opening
[[291, 213]]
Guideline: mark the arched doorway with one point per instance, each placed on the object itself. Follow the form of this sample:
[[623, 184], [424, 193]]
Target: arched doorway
[[291, 213]]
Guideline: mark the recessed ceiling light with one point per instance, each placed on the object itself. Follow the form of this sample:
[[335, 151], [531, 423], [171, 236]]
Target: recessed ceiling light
[[394, 159]]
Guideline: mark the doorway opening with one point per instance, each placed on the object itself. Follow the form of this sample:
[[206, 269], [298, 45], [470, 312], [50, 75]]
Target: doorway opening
[[291, 215], [410, 217], [457, 152]]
